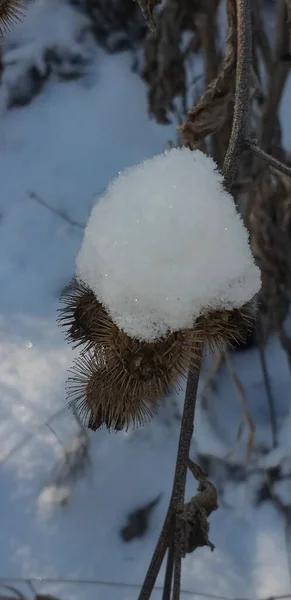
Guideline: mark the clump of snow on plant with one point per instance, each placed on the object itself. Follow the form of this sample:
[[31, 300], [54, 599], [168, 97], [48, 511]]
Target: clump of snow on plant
[[165, 244]]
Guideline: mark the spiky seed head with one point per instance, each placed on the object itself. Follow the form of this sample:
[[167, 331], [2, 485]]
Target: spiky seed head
[[121, 382], [11, 11], [81, 314], [160, 363], [101, 404], [223, 328]]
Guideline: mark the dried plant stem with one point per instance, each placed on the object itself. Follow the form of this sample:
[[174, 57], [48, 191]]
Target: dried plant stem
[[243, 69], [178, 491], [177, 576], [169, 568], [270, 160], [277, 78], [157, 558]]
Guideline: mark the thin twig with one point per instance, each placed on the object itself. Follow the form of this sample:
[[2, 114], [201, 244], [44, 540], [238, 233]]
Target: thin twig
[[30, 436], [243, 70], [270, 160], [56, 211]]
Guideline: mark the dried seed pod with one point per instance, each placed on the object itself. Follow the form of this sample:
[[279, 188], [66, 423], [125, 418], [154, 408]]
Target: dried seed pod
[[121, 382], [11, 11], [162, 361], [99, 404], [222, 328], [81, 314]]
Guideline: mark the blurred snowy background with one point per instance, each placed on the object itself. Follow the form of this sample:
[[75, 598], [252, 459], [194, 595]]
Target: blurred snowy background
[[80, 513]]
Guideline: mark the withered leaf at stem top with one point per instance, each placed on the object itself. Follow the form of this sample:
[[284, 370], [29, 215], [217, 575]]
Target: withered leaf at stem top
[[213, 110]]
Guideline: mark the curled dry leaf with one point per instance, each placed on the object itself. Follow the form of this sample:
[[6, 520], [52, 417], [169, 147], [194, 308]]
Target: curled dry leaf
[[215, 106]]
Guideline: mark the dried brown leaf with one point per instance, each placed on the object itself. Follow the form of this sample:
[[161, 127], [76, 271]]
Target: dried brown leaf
[[215, 106], [164, 61]]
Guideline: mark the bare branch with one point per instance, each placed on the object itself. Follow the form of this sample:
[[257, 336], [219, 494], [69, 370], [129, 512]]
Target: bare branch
[[273, 162]]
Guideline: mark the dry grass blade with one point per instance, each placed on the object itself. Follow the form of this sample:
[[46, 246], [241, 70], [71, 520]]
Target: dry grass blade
[[237, 439], [209, 383], [215, 106], [246, 414]]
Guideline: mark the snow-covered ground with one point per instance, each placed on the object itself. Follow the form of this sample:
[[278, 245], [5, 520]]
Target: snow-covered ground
[[62, 150]]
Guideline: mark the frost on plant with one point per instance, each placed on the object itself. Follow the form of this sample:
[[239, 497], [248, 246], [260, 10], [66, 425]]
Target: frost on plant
[[165, 245]]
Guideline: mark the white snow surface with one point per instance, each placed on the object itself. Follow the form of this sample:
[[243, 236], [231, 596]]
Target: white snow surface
[[165, 244], [65, 147]]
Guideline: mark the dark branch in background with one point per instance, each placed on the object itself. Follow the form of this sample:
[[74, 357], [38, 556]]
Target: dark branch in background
[[285, 511], [243, 71], [268, 387], [278, 73]]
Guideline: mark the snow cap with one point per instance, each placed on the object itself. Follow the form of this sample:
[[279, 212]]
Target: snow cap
[[165, 244]]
